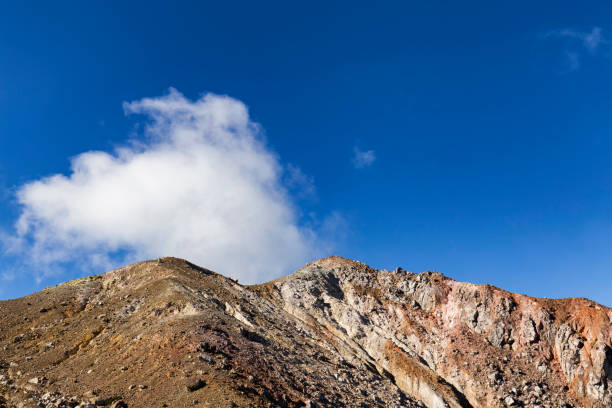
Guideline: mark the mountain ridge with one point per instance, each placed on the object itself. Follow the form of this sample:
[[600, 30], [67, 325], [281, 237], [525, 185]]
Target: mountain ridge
[[334, 333]]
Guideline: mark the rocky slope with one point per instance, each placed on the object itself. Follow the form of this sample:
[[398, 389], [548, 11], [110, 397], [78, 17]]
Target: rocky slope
[[334, 334]]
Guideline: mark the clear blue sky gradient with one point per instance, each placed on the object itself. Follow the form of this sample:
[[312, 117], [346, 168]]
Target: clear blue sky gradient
[[493, 154]]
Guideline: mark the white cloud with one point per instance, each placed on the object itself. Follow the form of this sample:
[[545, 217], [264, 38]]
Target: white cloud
[[593, 40], [579, 41], [202, 186], [363, 159], [590, 40]]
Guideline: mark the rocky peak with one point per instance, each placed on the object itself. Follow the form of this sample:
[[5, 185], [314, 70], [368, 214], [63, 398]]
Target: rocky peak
[[455, 343], [336, 333]]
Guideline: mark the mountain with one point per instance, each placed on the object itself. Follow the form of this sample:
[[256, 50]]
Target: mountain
[[336, 333]]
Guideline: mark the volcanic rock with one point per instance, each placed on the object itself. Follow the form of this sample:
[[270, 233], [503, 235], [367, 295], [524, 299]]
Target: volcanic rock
[[336, 333]]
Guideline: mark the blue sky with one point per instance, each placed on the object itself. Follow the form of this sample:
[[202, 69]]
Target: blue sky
[[469, 138]]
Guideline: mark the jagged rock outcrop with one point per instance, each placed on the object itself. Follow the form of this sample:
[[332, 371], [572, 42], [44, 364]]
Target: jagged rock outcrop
[[454, 344], [337, 333]]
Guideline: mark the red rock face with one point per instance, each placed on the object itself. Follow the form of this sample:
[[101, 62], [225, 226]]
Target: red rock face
[[460, 344]]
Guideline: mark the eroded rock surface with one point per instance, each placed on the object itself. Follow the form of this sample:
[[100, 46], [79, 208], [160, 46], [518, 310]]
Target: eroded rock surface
[[167, 333], [334, 334], [455, 344]]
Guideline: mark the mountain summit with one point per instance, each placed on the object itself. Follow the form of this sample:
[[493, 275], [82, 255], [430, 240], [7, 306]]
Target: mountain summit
[[336, 333]]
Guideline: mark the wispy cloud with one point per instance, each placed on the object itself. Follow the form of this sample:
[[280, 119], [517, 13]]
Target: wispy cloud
[[7, 276], [300, 183], [577, 43], [572, 60], [363, 158], [201, 185]]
